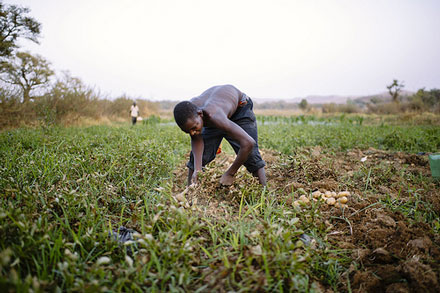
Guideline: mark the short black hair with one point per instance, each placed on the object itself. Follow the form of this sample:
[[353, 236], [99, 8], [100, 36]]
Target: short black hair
[[183, 111]]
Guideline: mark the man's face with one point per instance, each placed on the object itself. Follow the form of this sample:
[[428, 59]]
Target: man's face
[[193, 126]]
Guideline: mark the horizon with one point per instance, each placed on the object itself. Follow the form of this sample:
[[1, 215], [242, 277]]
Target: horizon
[[309, 98]]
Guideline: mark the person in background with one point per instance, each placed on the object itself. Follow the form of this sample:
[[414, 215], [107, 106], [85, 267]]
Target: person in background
[[134, 112]]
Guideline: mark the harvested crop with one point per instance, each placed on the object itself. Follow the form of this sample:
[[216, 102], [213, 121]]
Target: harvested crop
[[343, 199], [331, 201], [343, 193], [304, 199], [338, 199], [316, 194], [340, 205]]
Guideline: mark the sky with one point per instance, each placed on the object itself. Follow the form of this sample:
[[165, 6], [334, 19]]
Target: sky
[[274, 49]]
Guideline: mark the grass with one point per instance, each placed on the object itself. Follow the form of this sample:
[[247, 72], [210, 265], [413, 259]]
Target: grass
[[287, 138], [64, 189]]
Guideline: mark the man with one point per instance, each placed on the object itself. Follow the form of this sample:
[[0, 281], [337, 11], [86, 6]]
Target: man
[[221, 112], [134, 111]]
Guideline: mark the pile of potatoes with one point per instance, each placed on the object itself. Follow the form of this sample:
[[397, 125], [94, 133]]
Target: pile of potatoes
[[331, 198]]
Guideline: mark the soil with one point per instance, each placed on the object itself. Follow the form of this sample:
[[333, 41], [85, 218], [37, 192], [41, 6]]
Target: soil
[[390, 251]]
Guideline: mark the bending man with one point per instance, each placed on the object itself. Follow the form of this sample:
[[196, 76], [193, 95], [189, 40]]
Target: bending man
[[221, 112]]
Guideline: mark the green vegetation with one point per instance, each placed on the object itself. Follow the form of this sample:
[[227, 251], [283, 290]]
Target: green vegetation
[[345, 136], [64, 189]]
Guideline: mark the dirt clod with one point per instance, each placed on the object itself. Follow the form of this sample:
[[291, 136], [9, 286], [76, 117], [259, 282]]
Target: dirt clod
[[386, 220], [421, 277]]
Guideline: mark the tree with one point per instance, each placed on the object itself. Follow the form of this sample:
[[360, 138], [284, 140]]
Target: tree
[[27, 72], [394, 89], [68, 97], [15, 24], [427, 99], [303, 105]]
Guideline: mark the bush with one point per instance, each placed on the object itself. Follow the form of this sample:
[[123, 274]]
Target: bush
[[341, 108], [12, 111], [120, 107], [385, 108], [426, 100], [422, 101]]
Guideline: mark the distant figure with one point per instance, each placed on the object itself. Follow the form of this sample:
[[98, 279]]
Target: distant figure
[[221, 112], [134, 111]]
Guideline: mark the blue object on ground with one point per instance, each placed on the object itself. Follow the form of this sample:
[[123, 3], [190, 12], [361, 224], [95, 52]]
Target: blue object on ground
[[306, 239], [123, 235]]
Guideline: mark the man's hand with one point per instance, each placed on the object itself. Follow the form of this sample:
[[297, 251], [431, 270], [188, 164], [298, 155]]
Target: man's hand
[[227, 179], [194, 177]]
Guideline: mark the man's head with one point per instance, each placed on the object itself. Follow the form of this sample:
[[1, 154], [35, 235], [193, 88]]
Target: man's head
[[134, 103], [189, 117]]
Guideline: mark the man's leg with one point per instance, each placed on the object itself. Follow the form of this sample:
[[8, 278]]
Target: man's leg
[[245, 118], [254, 163], [190, 174], [261, 174]]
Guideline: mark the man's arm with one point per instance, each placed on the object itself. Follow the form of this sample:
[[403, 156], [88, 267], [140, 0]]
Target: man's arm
[[246, 144], [197, 147]]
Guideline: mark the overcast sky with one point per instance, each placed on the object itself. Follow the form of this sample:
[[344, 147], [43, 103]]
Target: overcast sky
[[280, 49]]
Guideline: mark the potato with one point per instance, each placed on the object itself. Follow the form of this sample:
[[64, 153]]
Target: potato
[[331, 201], [296, 203], [316, 194], [334, 194], [343, 193], [328, 194], [340, 205], [304, 199], [343, 199]]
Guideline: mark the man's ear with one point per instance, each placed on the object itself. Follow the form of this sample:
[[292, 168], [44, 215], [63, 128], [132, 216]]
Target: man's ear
[[200, 113]]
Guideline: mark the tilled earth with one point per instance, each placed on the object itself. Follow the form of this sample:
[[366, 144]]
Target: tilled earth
[[392, 247]]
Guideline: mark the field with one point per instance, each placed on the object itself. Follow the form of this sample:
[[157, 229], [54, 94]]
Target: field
[[65, 191]]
